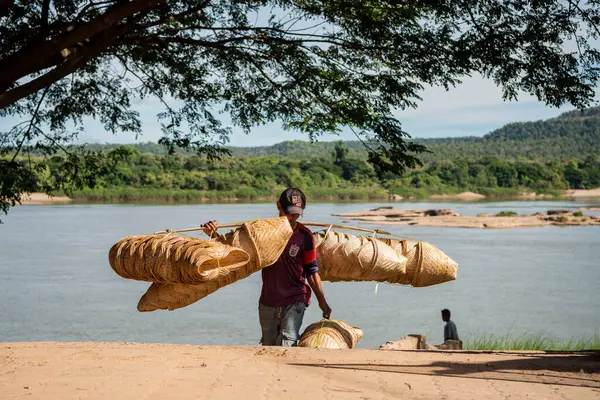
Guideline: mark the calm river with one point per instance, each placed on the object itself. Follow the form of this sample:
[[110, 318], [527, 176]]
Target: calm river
[[57, 285]]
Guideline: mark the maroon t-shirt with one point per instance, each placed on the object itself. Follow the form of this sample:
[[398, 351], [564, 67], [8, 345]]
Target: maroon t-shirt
[[284, 282]]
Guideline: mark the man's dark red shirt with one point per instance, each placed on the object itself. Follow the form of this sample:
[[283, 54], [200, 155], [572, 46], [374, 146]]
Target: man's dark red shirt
[[284, 282]]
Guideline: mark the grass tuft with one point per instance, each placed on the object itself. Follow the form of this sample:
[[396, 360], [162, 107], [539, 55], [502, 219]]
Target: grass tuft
[[506, 214], [531, 342]]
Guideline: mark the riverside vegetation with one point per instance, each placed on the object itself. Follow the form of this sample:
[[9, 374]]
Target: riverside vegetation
[[544, 157]]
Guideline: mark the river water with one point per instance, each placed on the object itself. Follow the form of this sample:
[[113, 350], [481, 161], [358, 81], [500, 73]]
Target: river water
[[57, 284]]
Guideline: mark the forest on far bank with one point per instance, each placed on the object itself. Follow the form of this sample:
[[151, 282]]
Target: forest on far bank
[[547, 156]]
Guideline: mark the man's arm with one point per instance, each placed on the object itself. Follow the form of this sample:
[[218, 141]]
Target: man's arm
[[314, 281], [311, 271], [446, 331]]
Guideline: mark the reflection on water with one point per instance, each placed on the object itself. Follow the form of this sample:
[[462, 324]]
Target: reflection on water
[[57, 283]]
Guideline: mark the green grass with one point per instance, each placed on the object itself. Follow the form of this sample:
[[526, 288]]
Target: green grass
[[578, 214], [131, 194], [531, 342], [563, 218], [506, 214]]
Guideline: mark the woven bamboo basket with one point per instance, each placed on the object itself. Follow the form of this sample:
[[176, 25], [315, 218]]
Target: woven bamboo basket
[[408, 248], [174, 259], [330, 334], [262, 240], [345, 257], [427, 265], [433, 266]]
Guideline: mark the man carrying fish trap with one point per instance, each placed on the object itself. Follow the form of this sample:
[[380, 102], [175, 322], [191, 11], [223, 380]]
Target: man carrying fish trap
[[285, 293]]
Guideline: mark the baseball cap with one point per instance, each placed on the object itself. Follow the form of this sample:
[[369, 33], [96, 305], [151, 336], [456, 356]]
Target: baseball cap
[[292, 201]]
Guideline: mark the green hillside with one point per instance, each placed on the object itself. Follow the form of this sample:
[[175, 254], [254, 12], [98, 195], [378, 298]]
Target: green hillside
[[571, 135], [574, 134]]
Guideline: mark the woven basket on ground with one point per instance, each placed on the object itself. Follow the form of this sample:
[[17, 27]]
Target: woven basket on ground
[[427, 265], [263, 241], [330, 334], [345, 257]]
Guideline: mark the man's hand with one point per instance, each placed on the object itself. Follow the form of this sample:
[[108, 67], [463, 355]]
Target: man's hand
[[210, 228], [325, 308]]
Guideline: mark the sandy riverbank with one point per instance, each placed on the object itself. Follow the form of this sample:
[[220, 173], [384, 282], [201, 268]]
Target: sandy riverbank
[[470, 196], [590, 208], [450, 219], [459, 196], [47, 370], [42, 198], [577, 194]]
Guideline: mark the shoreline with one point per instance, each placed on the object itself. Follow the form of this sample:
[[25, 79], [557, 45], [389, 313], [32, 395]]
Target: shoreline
[[579, 194], [43, 199], [449, 219], [95, 370]]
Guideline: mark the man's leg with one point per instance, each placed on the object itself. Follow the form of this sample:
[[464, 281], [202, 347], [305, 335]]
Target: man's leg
[[267, 316], [291, 321]]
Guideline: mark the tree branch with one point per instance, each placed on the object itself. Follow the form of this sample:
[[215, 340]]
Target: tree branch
[[176, 17], [29, 59], [60, 71], [45, 11], [90, 5], [237, 29], [5, 5], [31, 122], [584, 15], [127, 69]]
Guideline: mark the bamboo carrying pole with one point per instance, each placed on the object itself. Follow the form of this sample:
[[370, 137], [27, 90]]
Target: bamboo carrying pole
[[234, 224]]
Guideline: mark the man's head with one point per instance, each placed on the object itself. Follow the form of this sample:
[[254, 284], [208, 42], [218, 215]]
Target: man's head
[[446, 314], [291, 204]]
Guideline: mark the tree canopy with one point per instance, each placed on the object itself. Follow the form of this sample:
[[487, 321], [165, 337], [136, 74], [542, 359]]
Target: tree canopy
[[315, 66]]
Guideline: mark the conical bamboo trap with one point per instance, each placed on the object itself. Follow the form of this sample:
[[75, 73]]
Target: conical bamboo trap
[[174, 259], [427, 265], [262, 240], [330, 334], [345, 257]]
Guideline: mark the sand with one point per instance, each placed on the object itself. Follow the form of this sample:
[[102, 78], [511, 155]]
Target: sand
[[580, 193], [449, 219], [460, 196], [590, 208], [42, 198], [47, 370], [533, 196], [577, 193]]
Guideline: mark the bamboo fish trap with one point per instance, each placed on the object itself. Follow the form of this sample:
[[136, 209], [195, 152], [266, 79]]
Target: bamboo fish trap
[[330, 334], [262, 240], [345, 257], [427, 265], [174, 259]]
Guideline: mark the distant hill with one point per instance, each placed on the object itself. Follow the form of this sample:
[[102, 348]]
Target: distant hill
[[575, 124], [571, 135], [574, 134]]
